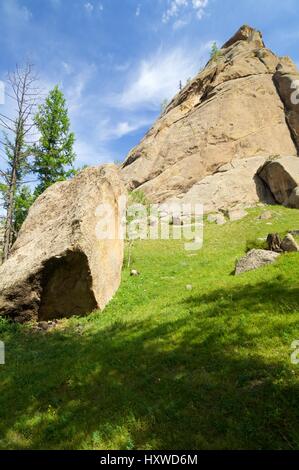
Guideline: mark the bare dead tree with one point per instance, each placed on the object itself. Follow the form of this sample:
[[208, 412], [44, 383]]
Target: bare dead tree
[[17, 132]]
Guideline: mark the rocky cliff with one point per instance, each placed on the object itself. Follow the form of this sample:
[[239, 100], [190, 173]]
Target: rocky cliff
[[220, 129]]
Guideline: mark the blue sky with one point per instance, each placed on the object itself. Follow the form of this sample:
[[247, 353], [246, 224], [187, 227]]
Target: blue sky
[[117, 60]]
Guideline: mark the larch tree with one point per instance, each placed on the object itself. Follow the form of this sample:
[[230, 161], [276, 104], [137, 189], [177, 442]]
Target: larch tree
[[53, 154]]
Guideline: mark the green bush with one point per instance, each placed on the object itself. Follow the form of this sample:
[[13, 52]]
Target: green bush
[[256, 245], [215, 52]]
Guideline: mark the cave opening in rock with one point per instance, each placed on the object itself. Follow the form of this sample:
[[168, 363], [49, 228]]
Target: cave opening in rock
[[66, 284], [263, 191]]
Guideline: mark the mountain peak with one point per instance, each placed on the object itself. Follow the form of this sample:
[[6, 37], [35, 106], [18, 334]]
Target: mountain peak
[[219, 129], [246, 33]]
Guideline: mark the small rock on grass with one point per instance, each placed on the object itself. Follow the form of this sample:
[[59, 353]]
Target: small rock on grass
[[44, 325], [267, 215], [289, 244], [219, 219], [255, 259], [236, 214], [134, 273]]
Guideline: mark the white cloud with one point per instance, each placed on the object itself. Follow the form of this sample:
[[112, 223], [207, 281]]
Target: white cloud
[[110, 130], [174, 9], [55, 3], [17, 24], [75, 84], [13, 11], [138, 10], [179, 24], [67, 68], [91, 154], [122, 67], [158, 78], [89, 7], [178, 7], [199, 6]]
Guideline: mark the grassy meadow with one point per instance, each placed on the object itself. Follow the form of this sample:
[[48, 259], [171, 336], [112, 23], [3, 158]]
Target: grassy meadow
[[164, 367]]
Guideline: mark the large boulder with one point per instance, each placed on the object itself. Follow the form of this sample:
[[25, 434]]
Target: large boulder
[[235, 185], [282, 178], [59, 265], [231, 111], [294, 198], [255, 259]]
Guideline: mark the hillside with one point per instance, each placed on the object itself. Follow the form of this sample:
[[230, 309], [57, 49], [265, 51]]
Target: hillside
[[162, 366], [227, 141]]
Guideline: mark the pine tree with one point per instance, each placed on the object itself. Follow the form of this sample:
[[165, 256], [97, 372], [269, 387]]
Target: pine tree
[[53, 155], [215, 52], [164, 105], [24, 200]]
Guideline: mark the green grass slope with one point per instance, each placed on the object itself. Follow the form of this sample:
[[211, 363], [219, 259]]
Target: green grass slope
[[163, 367]]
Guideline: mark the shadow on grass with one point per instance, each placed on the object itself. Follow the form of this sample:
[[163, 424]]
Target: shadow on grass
[[181, 384], [265, 296]]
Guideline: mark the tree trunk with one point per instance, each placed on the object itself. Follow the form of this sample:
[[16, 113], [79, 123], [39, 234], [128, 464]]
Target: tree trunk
[[24, 94], [9, 229]]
